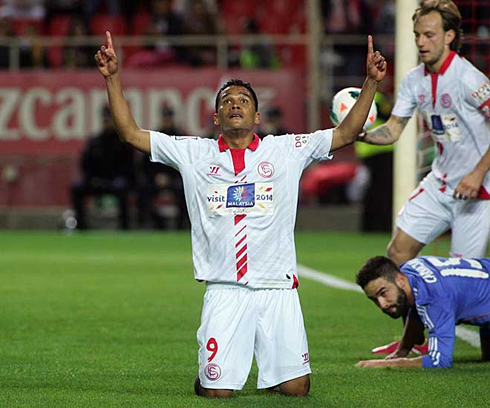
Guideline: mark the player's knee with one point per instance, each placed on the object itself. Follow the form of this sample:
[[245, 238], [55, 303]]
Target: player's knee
[[210, 393], [298, 387], [398, 253]]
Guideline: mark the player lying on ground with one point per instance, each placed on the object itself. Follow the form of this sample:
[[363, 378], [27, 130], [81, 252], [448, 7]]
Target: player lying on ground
[[435, 293], [454, 98], [242, 195]]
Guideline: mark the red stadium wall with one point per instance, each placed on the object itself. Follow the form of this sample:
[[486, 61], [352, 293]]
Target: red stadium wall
[[45, 118]]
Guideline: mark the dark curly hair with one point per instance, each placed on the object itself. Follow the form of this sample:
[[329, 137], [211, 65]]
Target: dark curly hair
[[377, 267], [451, 18], [237, 82]]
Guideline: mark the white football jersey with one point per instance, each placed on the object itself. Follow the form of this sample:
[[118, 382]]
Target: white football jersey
[[242, 203], [456, 106]]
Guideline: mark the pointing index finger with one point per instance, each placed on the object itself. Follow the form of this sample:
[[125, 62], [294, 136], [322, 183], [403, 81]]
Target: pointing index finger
[[109, 40], [370, 45]]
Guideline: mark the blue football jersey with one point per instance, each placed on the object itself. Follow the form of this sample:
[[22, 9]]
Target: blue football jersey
[[447, 292]]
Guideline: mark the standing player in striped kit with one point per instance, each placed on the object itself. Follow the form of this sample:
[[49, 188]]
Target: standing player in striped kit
[[242, 194], [454, 98], [435, 293]]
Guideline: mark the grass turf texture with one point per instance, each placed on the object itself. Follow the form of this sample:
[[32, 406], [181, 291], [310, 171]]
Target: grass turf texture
[[110, 320]]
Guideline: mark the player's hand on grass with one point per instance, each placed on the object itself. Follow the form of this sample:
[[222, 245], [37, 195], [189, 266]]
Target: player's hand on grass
[[375, 63], [469, 185], [106, 58]]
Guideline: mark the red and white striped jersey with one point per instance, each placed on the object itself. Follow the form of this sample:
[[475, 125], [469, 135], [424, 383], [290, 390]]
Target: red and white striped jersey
[[242, 203], [455, 103]]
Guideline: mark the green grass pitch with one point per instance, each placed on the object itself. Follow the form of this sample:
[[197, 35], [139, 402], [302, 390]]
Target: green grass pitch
[[109, 320]]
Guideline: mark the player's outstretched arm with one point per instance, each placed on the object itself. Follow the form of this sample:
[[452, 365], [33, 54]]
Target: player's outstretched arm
[[124, 122], [396, 362], [388, 133], [348, 131]]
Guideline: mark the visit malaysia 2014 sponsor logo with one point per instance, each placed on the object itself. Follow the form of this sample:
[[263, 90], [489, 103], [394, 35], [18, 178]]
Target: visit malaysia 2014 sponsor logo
[[242, 195]]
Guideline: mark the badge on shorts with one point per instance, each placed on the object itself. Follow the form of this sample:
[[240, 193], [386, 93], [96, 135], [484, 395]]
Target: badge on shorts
[[212, 372]]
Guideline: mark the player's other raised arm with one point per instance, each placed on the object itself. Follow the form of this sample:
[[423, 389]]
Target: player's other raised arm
[[124, 122], [350, 128]]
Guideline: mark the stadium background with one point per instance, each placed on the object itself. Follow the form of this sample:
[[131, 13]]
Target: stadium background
[[297, 53]]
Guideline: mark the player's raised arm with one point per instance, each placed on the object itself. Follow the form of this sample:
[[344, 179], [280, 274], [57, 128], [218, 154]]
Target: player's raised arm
[[350, 128], [124, 122]]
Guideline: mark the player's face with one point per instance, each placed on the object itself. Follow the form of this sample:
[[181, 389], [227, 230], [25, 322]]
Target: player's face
[[388, 296], [432, 41], [236, 110]]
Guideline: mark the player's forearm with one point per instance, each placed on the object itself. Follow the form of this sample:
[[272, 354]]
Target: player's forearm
[[395, 362], [484, 164], [121, 115], [413, 334], [352, 125], [387, 133], [404, 362]]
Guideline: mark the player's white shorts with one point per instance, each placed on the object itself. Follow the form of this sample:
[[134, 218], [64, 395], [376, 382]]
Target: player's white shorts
[[238, 322], [429, 212]]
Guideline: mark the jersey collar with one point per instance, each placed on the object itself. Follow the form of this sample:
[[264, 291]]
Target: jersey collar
[[252, 146], [445, 64]]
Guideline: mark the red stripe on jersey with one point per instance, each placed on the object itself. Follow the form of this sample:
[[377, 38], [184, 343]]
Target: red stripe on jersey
[[433, 78], [241, 261], [239, 232], [295, 282], [241, 273], [485, 109], [442, 189], [240, 217], [483, 194], [416, 194], [238, 156], [241, 240], [241, 251]]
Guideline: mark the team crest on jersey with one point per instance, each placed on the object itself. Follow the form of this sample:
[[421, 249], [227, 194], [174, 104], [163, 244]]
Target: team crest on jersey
[[212, 372], [446, 100], [265, 169], [301, 141], [242, 195]]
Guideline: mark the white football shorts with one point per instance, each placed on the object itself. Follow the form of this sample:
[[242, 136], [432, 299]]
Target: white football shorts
[[429, 213], [238, 322]]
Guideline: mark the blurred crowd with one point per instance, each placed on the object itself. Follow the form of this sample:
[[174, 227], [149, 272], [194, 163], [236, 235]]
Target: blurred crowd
[[29, 20]]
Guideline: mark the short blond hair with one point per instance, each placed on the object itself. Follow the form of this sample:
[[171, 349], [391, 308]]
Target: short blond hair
[[451, 18]]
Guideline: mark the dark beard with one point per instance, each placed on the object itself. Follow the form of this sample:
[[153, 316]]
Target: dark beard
[[401, 305]]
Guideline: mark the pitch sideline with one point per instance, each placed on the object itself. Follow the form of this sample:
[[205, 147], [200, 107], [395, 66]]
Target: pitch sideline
[[464, 334]]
